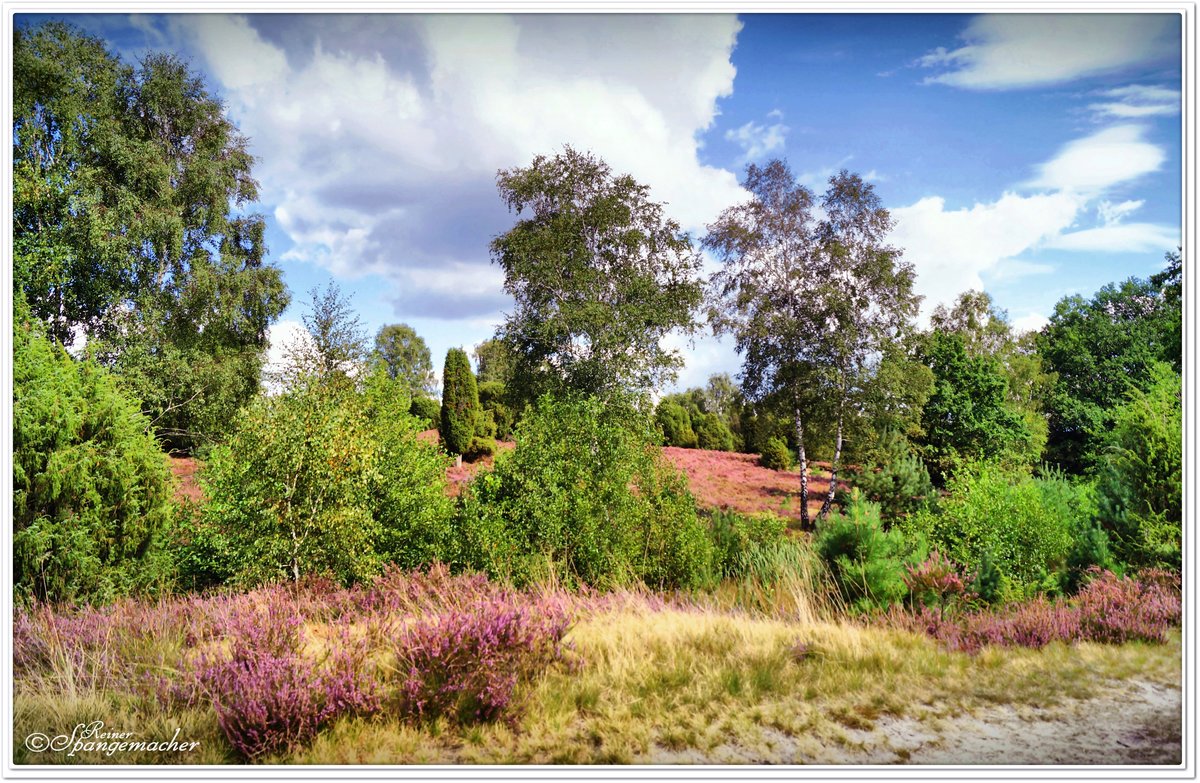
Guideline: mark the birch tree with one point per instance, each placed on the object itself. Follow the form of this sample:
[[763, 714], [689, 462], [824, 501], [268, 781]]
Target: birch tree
[[812, 302]]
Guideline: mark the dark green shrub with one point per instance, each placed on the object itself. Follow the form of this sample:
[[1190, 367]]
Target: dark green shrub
[[900, 482], [712, 433], [493, 400], [776, 455], [425, 410], [1141, 480], [328, 479], [481, 446], [676, 425], [460, 402], [583, 497], [91, 487], [867, 563]]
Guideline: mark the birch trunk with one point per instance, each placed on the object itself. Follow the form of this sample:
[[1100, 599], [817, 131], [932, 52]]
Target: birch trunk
[[804, 521]]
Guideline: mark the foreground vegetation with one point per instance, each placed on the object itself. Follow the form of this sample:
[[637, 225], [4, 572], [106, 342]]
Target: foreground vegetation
[[431, 668]]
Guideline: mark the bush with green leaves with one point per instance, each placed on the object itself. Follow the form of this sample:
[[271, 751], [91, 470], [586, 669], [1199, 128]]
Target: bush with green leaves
[[868, 564], [712, 433], [1026, 526], [91, 487], [583, 498], [493, 401], [425, 410], [776, 455], [1141, 481], [900, 482], [676, 425], [328, 479]]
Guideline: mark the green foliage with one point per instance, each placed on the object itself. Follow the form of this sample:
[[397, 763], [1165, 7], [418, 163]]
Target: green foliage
[[599, 275], [1024, 525], [736, 537], [676, 424], [406, 356], [493, 400], [712, 433], [91, 487], [899, 482], [426, 410], [481, 446], [867, 563], [334, 348], [132, 222], [493, 362], [968, 416], [1101, 350], [776, 455], [1141, 481], [460, 403], [328, 479], [584, 497]]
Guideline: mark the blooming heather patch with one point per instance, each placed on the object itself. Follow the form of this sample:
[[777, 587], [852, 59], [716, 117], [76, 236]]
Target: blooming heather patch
[[466, 663], [1110, 610]]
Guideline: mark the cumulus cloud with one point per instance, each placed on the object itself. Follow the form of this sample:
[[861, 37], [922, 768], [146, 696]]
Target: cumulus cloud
[[953, 248], [758, 140], [1005, 51], [379, 136], [1033, 322], [1111, 156]]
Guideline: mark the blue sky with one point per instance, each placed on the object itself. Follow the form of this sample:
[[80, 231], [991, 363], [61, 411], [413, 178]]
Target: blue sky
[[1033, 156]]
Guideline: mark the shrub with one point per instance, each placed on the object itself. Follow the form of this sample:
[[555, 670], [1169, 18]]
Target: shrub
[[493, 400], [460, 402], [467, 663], [480, 447], [676, 424], [91, 487], [1023, 524], [936, 582], [425, 410], [1116, 609], [327, 479], [776, 455], [1141, 480], [583, 497], [900, 482], [712, 433], [867, 563]]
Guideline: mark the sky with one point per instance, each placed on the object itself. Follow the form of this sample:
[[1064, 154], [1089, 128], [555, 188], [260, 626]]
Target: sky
[[1030, 156]]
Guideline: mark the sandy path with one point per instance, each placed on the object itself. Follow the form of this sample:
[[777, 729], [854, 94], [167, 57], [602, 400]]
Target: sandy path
[[1134, 722]]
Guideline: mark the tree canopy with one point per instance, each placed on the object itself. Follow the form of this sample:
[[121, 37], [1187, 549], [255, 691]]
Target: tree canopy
[[406, 357], [599, 274], [133, 229], [812, 304]]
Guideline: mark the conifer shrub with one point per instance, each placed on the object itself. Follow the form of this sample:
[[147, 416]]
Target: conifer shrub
[[712, 433], [776, 455], [899, 482], [676, 425], [426, 410], [868, 563], [92, 492], [460, 403]]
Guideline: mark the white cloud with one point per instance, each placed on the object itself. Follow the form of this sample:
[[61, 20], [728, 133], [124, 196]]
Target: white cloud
[[1136, 100], [282, 336], [379, 137], [1119, 238], [1009, 270], [1033, 322], [952, 249], [1109, 157], [1111, 214], [1024, 50], [757, 141]]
